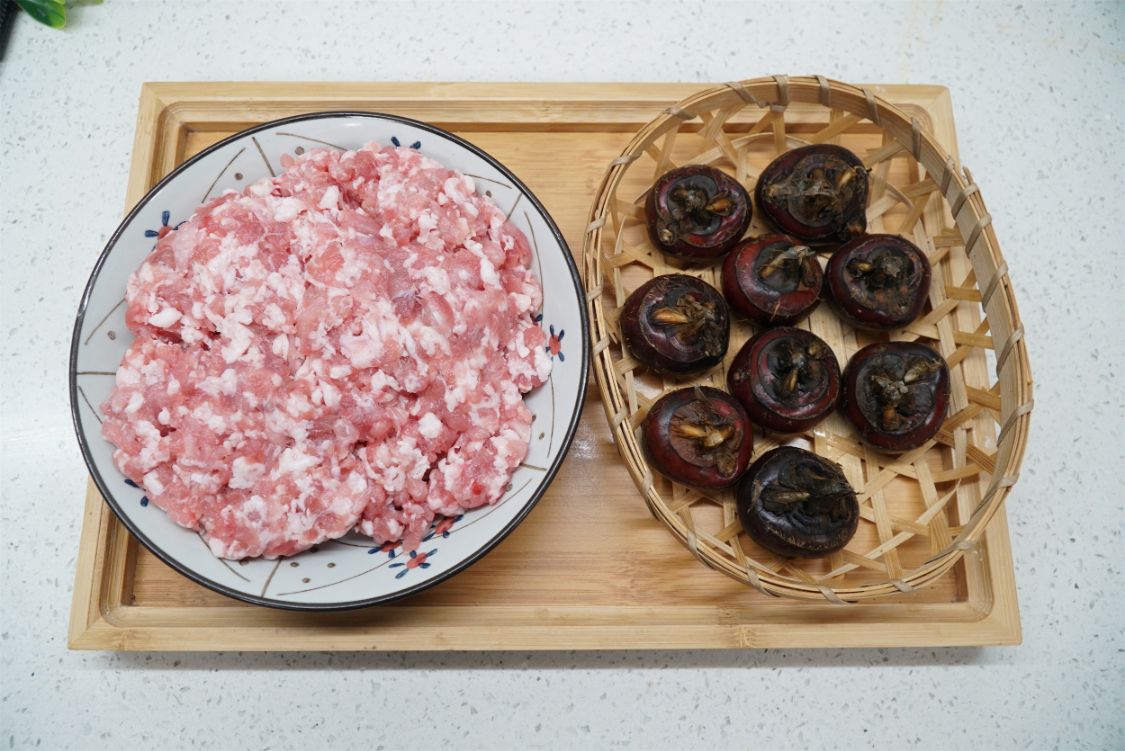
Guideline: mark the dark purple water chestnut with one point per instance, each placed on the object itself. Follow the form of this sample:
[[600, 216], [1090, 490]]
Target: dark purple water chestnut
[[797, 504], [676, 324], [815, 193], [788, 379], [773, 279], [698, 436], [697, 212], [896, 394], [879, 282]]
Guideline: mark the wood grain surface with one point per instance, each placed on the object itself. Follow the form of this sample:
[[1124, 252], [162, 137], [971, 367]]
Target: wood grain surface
[[589, 568]]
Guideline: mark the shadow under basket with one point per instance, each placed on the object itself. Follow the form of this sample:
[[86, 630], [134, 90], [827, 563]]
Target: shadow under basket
[[921, 510]]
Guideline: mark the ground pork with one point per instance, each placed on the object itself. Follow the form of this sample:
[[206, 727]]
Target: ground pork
[[345, 345]]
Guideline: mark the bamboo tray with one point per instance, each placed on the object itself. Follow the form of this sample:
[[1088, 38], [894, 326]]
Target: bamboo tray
[[589, 568]]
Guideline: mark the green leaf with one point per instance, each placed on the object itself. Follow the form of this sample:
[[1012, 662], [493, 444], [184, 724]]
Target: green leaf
[[49, 12]]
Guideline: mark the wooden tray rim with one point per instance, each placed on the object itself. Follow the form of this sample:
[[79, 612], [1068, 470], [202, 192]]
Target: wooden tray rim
[[102, 619]]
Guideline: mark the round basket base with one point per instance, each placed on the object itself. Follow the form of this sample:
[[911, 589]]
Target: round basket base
[[920, 511]]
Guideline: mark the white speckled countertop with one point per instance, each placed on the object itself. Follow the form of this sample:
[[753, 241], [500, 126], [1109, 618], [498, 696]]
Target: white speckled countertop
[[1039, 95]]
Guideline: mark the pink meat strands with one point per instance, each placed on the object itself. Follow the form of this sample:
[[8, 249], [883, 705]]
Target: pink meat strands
[[345, 346]]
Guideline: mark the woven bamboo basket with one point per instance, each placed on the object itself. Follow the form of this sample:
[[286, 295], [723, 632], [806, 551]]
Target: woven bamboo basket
[[920, 511]]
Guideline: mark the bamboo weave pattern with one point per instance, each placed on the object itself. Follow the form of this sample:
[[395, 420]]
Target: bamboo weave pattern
[[920, 511]]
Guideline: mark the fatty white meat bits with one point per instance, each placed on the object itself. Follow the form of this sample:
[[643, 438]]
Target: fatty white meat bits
[[344, 346]]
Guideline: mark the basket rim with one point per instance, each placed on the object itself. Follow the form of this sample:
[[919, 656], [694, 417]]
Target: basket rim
[[973, 224]]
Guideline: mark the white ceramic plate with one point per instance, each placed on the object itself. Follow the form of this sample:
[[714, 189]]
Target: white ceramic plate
[[350, 572]]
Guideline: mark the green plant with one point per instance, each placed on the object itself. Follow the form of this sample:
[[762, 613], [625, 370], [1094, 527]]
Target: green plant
[[51, 12]]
